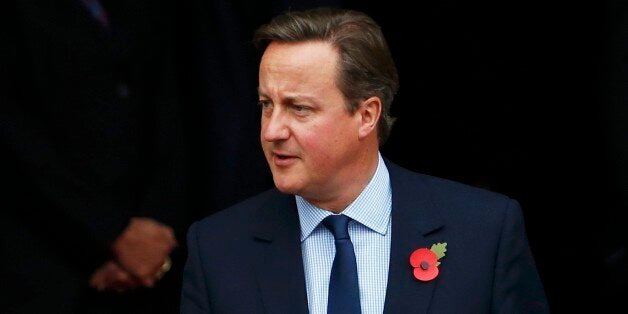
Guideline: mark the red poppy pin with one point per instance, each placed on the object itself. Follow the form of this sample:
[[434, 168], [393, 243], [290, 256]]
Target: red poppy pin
[[425, 261]]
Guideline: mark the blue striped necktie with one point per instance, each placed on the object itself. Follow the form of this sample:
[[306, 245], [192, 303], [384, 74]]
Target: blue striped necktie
[[344, 292]]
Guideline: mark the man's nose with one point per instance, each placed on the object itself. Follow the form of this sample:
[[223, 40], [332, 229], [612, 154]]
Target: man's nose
[[275, 127]]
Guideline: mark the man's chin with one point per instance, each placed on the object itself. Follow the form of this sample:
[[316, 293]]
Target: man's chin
[[286, 187]]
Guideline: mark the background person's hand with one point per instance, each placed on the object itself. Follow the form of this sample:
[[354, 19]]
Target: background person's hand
[[110, 276], [143, 247]]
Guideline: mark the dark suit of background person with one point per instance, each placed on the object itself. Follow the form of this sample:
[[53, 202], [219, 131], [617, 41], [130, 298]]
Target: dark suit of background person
[[91, 135]]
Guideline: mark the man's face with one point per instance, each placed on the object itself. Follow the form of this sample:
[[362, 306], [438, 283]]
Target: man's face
[[309, 138]]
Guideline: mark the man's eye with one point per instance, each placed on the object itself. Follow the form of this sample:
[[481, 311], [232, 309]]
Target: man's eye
[[264, 104], [300, 108]]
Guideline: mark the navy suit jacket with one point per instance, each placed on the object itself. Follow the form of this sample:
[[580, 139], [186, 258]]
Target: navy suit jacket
[[247, 259]]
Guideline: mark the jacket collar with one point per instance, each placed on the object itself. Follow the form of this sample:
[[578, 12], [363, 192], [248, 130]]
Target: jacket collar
[[414, 217], [279, 268]]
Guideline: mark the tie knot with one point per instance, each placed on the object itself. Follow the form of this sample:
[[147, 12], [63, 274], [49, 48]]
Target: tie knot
[[338, 225]]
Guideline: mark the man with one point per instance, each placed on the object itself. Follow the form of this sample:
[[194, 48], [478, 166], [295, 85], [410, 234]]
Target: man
[[346, 231], [90, 134]]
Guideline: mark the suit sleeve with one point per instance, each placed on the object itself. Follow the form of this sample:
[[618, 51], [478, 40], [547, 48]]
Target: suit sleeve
[[517, 287], [194, 294]]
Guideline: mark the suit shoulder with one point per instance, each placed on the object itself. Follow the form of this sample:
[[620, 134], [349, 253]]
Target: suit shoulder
[[235, 217], [441, 186], [453, 199], [464, 192]]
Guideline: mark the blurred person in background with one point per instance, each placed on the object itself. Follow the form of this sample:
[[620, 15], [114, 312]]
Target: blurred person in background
[[93, 157]]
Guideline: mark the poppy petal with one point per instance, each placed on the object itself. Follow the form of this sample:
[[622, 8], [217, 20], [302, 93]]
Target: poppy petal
[[426, 274], [421, 255]]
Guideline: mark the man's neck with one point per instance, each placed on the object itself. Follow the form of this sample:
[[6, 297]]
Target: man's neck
[[358, 179]]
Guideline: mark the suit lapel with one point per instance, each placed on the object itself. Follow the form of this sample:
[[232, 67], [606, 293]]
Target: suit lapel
[[414, 217], [279, 268]]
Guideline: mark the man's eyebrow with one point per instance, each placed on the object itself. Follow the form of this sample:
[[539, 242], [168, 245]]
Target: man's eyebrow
[[289, 99]]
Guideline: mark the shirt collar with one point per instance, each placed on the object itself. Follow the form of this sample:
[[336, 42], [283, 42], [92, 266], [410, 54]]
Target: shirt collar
[[371, 208]]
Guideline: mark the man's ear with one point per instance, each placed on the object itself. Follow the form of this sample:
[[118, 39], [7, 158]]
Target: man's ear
[[369, 113]]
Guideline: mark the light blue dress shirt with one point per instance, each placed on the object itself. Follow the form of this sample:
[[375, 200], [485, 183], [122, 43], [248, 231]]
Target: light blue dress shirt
[[370, 233]]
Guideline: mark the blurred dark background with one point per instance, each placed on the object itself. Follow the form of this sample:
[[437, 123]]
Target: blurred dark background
[[525, 98]]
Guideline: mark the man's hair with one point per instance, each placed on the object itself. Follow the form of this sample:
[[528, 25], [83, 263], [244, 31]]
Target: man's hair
[[366, 67]]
